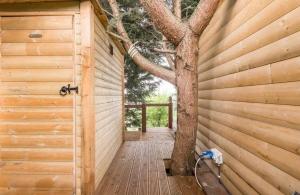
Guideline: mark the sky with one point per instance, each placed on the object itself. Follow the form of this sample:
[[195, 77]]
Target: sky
[[166, 88]]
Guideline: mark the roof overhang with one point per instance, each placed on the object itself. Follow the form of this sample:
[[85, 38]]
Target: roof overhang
[[98, 10]]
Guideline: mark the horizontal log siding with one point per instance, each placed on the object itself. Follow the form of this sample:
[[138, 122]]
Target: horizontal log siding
[[36, 124], [108, 100], [249, 95]]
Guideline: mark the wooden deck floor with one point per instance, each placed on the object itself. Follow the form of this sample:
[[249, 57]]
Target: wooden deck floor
[[138, 169]]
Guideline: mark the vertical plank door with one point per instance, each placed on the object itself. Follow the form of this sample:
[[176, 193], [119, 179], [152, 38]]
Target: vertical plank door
[[36, 123]]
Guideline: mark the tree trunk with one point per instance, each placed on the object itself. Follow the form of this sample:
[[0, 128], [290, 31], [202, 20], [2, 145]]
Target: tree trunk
[[186, 81], [186, 36]]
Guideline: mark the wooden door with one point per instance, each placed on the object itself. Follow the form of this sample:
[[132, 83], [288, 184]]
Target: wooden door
[[36, 123]]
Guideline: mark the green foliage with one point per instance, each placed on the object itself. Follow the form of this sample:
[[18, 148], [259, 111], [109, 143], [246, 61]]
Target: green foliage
[[157, 116], [159, 98], [133, 118], [139, 28], [140, 85], [188, 7]]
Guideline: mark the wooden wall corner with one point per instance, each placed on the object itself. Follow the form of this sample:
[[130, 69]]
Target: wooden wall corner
[[88, 102]]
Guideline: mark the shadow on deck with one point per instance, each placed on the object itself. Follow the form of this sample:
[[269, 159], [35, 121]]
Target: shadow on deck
[[138, 168]]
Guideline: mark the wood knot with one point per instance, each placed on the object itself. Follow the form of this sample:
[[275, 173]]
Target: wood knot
[[188, 67]]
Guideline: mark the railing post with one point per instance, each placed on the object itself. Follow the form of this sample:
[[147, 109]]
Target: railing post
[[170, 113], [144, 117]]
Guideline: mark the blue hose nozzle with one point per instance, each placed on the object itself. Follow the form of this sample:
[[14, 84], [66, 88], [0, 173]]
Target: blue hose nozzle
[[207, 154]]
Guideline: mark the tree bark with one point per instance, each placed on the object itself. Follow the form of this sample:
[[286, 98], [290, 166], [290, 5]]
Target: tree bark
[[186, 81], [164, 20], [202, 15], [177, 8]]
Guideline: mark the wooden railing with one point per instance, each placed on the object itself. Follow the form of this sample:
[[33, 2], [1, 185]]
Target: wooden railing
[[144, 112]]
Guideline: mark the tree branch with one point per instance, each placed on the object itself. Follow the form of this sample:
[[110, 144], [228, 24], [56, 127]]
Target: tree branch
[[169, 58], [118, 36], [107, 12], [202, 15], [168, 51], [170, 26], [140, 60], [177, 8], [171, 63]]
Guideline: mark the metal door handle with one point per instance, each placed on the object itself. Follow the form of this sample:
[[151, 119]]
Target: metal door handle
[[67, 90]]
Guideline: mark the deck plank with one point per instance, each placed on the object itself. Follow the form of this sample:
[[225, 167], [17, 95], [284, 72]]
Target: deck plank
[[162, 177], [112, 177], [138, 169], [174, 188], [144, 177], [128, 168], [153, 171], [188, 185], [133, 184]]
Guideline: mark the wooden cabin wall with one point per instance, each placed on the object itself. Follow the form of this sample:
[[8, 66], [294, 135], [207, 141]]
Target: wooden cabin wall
[[78, 104], [37, 126], [249, 94], [109, 79], [17, 6]]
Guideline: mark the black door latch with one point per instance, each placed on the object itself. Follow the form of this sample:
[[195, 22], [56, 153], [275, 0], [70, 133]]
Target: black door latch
[[67, 90]]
